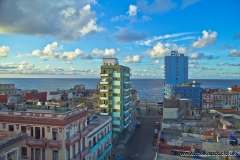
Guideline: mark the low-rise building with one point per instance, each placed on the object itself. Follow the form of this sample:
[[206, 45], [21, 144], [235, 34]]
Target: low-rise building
[[35, 95], [11, 143], [53, 134], [225, 99], [8, 89], [99, 139]]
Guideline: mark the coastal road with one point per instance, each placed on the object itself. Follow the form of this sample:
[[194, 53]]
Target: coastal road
[[141, 142]]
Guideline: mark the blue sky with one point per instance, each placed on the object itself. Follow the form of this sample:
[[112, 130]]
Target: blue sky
[[69, 38]]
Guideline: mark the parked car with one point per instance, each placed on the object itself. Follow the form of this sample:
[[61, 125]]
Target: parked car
[[155, 130], [155, 133], [157, 125], [138, 124]]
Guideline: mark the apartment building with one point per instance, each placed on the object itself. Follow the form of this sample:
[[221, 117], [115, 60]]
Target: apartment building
[[55, 135], [236, 89], [225, 99], [115, 95], [176, 79], [134, 105], [8, 89], [99, 139], [207, 97]]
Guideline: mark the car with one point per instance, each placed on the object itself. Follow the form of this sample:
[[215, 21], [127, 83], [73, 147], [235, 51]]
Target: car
[[155, 130], [157, 125], [138, 124]]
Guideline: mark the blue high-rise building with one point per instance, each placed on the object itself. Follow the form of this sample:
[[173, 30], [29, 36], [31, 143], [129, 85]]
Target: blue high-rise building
[[176, 68], [176, 79]]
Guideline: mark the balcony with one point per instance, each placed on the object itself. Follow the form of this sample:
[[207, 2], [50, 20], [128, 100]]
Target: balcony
[[126, 104], [54, 143], [126, 74], [84, 132], [94, 147], [42, 143], [116, 114], [126, 82], [104, 105], [104, 113], [116, 83], [105, 74], [77, 156], [70, 141], [126, 89], [105, 90], [127, 96], [104, 82], [116, 122], [84, 153], [116, 75], [116, 98], [103, 98], [116, 106], [116, 90]]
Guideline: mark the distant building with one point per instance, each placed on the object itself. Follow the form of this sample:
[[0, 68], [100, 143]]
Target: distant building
[[134, 104], [225, 99], [3, 98], [99, 139], [34, 95], [176, 79], [115, 95], [236, 89], [176, 68], [8, 89]]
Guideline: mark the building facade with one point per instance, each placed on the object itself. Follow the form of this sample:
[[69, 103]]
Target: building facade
[[190, 90], [225, 99], [134, 105], [8, 89], [115, 86], [99, 139], [51, 135], [176, 68]]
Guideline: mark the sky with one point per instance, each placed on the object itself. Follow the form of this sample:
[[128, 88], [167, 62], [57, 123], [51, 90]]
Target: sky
[[69, 38]]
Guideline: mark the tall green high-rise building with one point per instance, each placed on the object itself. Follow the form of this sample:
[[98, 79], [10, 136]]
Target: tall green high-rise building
[[115, 86]]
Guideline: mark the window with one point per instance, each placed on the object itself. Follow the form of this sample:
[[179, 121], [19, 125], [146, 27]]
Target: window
[[67, 134], [37, 154], [24, 151], [55, 134], [10, 128], [55, 155], [43, 154], [23, 129]]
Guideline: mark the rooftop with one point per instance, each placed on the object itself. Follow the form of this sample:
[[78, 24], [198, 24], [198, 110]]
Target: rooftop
[[225, 92], [218, 131], [9, 137], [226, 111], [96, 121]]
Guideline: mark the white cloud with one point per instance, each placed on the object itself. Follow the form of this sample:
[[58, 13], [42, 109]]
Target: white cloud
[[162, 67], [48, 52], [134, 59], [234, 53], [149, 41], [91, 27], [4, 50], [132, 11], [155, 62], [187, 3], [69, 20], [208, 38], [104, 53], [158, 51]]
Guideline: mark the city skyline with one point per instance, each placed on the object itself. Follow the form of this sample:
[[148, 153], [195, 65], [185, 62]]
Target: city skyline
[[68, 39]]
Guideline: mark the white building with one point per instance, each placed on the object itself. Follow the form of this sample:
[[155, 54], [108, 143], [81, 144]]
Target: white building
[[134, 104], [99, 139], [225, 99]]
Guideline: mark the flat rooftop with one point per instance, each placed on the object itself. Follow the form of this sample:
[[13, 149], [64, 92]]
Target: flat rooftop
[[226, 111], [96, 121]]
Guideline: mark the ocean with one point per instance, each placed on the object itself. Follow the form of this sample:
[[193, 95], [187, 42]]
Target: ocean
[[150, 90]]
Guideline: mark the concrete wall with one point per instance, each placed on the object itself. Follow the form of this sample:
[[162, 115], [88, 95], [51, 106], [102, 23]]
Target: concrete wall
[[170, 112]]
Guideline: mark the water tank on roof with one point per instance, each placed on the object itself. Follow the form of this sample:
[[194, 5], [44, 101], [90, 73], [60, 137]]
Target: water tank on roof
[[95, 117]]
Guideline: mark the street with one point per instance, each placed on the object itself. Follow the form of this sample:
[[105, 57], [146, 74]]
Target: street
[[141, 141]]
